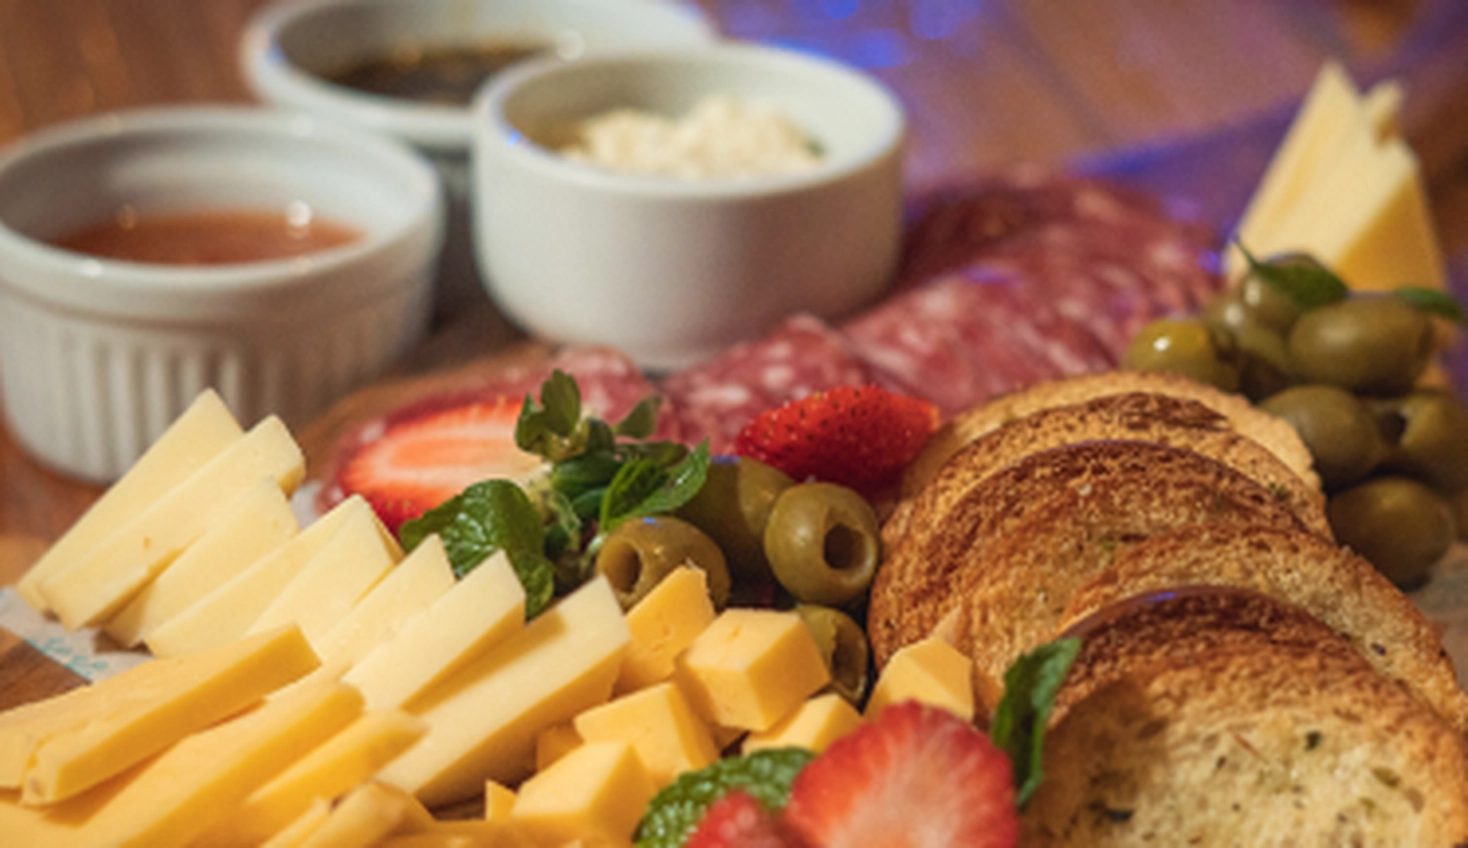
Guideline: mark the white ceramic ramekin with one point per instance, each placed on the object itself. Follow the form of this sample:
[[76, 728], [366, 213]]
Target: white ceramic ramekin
[[98, 356], [673, 271]]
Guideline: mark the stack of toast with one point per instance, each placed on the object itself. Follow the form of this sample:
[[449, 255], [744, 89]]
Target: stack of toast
[[1244, 680]]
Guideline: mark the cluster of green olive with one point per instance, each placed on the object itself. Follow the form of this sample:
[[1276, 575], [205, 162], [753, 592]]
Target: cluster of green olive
[[751, 527], [1390, 454]]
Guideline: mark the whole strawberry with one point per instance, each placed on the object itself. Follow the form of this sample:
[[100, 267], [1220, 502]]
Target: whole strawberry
[[857, 436], [917, 777]]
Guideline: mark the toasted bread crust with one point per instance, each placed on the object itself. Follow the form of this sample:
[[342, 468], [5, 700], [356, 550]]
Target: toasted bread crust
[[1225, 718], [1339, 588], [1141, 416], [1273, 433], [942, 554]]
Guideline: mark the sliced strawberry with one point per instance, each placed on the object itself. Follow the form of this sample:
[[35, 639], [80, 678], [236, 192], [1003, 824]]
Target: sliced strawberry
[[738, 820], [917, 777], [857, 436], [421, 460]]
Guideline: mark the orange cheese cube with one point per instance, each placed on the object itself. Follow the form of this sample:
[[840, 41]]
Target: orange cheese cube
[[819, 722], [597, 791], [499, 799], [662, 624], [931, 671], [555, 742], [751, 668], [659, 724]]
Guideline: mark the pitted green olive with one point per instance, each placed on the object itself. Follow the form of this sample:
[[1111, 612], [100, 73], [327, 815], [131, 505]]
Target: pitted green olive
[[1186, 346], [1398, 525], [733, 507], [1429, 432], [1336, 426], [844, 646], [1263, 360], [823, 543], [1372, 344], [640, 552]]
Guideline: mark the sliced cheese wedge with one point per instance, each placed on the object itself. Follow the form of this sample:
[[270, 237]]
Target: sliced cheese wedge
[[335, 767], [257, 524], [421, 578], [483, 720], [101, 582], [340, 575], [226, 613], [201, 433], [479, 612], [177, 796], [132, 723]]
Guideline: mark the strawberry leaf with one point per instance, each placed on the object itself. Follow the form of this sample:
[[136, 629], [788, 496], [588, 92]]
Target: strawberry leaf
[[1434, 302], [1300, 278], [1030, 687]]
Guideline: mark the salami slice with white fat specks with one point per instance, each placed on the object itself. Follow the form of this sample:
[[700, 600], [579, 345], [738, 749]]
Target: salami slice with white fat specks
[[715, 399]]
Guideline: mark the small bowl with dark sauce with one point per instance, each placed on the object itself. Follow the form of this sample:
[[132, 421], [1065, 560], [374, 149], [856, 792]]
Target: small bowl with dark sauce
[[148, 255], [410, 70]]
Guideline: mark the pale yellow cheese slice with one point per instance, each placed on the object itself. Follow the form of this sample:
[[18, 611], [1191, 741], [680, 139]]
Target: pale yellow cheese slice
[[226, 613], [371, 813], [251, 528], [335, 767], [295, 834], [101, 582], [479, 612], [145, 720], [483, 719], [178, 795], [421, 578], [339, 576], [202, 432]]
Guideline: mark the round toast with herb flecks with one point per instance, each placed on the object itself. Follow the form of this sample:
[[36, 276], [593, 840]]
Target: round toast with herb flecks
[[1209, 718]]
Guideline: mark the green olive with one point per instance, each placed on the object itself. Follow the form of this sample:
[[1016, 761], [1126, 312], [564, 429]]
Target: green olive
[[733, 507], [1399, 525], [1429, 431], [1263, 359], [1336, 426], [1253, 301], [844, 646], [640, 552], [1371, 344], [1186, 346], [823, 543]]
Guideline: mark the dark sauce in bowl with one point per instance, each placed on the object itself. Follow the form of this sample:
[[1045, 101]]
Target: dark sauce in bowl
[[207, 237], [446, 76]]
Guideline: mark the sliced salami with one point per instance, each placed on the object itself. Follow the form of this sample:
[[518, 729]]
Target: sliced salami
[[715, 399]]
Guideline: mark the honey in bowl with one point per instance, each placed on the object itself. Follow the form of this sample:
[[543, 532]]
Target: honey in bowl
[[209, 237], [447, 76]]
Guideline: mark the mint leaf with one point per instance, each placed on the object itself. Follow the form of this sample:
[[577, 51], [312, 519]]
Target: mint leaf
[[490, 516], [1299, 277], [675, 811], [561, 398], [1030, 687], [1434, 302], [644, 487], [642, 420], [537, 576]]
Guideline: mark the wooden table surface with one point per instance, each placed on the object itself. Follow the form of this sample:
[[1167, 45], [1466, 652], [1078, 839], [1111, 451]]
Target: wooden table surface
[[985, 82]]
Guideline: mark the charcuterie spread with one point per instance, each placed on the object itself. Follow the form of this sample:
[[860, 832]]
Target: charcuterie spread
[[1044, 548]]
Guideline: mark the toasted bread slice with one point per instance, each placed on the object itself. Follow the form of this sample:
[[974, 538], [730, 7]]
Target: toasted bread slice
[[1273, 433], [943, 554], [1140, 416], [1228, 719], [1326, 580]]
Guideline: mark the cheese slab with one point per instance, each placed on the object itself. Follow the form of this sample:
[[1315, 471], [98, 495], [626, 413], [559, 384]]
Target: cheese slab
[[175, 797], [297, 832], [336, 578], [226, 613], [201, 433], [138, 723], [254, 526], [101, 582], [483, 719], [330, 771], [480, 611], [421, 578]]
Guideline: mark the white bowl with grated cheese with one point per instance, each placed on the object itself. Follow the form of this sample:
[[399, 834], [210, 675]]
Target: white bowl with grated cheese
[[673, 202]]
